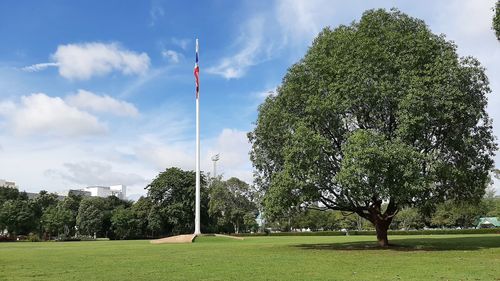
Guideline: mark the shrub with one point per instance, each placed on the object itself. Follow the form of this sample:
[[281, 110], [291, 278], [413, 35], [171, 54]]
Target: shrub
[[33, 237], [85, 238], [66, 238], [6, 239]]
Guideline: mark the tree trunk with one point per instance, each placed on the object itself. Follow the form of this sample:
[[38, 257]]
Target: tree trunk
[[381, 226], [380, 220]]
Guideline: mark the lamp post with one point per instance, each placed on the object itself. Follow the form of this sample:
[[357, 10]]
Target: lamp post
[[215, 158]]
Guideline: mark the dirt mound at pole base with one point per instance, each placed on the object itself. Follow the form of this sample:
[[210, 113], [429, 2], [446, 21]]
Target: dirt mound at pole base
[[186, 238]]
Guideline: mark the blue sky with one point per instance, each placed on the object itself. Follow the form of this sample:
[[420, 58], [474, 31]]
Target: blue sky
[[102, 92]]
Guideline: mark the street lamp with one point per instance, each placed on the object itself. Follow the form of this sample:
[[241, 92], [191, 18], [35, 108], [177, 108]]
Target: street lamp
[[215, 158]]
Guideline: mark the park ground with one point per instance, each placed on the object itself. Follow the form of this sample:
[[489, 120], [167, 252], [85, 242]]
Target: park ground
[[438, 257]]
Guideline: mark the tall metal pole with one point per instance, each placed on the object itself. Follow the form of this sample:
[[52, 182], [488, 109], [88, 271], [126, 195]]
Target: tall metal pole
[[197, 212]]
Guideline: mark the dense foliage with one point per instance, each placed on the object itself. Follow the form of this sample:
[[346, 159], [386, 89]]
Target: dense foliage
[[168, 209], [382, 110], [447, 215], [496, 20], [231, 205], [173, 193], [231, 209]]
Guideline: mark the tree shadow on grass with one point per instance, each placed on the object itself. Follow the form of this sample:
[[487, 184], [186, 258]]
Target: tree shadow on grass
[[430, 243]]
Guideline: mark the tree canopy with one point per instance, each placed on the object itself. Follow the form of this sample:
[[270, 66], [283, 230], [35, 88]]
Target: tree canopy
[[173, 193], [379, 111], [57, 220], [168, 209], [231, 203], [90, 216], [496, 20]]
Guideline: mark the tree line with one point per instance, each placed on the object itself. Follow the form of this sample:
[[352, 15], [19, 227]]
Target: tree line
[[448, 214], [228, 206], [168, 209]]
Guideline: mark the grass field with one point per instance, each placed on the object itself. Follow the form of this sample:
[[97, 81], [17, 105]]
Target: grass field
[[440, 257]]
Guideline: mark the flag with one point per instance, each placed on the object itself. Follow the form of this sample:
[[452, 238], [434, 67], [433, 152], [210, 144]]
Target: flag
[[197, 72]]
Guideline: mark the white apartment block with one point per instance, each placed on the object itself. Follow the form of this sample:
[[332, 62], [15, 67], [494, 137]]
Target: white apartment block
[[5, 183], [119, 191]]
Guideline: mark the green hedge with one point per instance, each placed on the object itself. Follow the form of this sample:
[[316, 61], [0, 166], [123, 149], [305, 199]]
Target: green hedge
[[391, 232]]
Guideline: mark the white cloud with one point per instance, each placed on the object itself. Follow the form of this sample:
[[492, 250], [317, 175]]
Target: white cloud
[[287, 23], [39, 66], [135, 85], [231, 144], [300, 21], [183, 43], [94, 173], [132, 155], [90, 101], [261, 96], [43, 115], [468, 18], [7, 107], [250, 45], [83, 61], [162, 153], [171, 55], [233, 147], [155, 13]]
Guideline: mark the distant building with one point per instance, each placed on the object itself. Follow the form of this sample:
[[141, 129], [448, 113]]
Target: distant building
[[119, 191], [490, 222], [5, 183], [32, 195], [79, 192]]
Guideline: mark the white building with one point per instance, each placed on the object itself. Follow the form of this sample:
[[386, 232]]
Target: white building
[[78, 192], [5, 183], [119, 191]]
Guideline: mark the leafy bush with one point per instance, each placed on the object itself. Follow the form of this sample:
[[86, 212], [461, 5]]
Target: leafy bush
[[32, 237], [66, 238], [6, 239], [85, 238]]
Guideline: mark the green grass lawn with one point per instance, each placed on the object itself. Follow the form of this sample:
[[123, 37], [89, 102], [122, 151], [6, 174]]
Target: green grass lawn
[[440, 257]]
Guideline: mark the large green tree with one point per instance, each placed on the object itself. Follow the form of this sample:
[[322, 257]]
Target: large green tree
[[141, 210], [125, 224], [90, 218], [71, 203], [459, 214], [230, 203], [173, 194], [9, 193], [57, 220], [17, 217], [42, 201], [379, 111]]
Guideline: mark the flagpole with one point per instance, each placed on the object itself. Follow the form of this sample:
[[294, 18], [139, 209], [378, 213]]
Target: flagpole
[[197, 214]]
